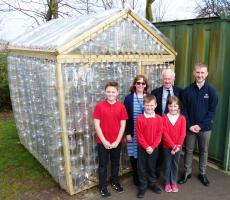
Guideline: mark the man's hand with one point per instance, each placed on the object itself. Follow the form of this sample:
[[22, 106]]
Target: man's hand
[[195, 129]]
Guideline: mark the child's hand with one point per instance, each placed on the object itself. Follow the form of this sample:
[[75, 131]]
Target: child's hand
[[107, 145], [175, 150], [114, 144], [129, 138], [149, 150]]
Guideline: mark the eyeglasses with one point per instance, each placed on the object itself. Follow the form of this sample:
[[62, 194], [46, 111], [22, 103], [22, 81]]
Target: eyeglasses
[[140, 83]]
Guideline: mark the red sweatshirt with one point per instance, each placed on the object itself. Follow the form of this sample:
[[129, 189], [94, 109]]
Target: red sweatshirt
[[110, 116], [173, 134], [149, 131]]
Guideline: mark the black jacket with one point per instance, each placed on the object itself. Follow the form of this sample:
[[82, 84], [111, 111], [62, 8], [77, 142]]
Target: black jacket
[[158, 93]]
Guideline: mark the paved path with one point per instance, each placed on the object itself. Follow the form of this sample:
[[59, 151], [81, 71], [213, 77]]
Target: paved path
[[219, 189]]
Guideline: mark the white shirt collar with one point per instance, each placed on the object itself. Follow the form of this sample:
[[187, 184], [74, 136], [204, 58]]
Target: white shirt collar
[[149, 116], [168, 88], [172, 118], [200, 85]]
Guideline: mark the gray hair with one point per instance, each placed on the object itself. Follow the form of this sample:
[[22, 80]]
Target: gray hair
[[168, 71]]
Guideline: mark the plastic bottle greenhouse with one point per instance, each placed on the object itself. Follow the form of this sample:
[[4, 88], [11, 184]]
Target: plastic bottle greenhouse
[[57, 74]]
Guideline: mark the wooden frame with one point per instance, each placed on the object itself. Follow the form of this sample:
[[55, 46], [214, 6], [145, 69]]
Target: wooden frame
[[115, 58], [60, 90]]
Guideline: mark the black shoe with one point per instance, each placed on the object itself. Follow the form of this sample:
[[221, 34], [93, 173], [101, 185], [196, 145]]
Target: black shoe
[[184, 178], [140, 193], [155, 188], [118, 187], [203, 179], [104, 192]]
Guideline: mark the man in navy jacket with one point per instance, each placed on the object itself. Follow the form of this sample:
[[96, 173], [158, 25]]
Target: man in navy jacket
[[199, 102], [161, 94]]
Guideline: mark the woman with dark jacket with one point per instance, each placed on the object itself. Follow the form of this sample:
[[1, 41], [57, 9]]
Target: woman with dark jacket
[[134, 106]]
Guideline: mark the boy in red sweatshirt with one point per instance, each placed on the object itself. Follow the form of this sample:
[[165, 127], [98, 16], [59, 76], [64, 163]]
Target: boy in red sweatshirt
[[109, 120], [149, 129]]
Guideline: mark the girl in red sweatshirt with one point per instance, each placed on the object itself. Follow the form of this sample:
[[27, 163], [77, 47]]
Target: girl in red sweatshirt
[[174, 131]]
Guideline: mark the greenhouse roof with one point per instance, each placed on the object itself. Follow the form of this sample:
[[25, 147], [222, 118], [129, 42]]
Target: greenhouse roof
[[60, 31], [55, 34]]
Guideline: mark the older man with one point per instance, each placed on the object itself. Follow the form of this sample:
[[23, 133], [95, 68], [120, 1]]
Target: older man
[[200, 102], [162, 93]]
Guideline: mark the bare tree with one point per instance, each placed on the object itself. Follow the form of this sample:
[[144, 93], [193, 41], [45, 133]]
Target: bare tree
[[45, 10], [123, 3], [157, 9], [28, 8], [41, 11], [133, 4], [160, 8], [211, 8], [107, 4], [148, 10], [52, 12], [83, 6]]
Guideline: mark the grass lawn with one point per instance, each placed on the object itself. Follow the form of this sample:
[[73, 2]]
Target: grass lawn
[[20, 172]]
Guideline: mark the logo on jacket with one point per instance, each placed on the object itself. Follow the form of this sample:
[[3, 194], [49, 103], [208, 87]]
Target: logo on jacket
[[206, 96]]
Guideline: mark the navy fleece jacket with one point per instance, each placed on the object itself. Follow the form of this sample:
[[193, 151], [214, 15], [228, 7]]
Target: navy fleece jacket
[[199, 105]]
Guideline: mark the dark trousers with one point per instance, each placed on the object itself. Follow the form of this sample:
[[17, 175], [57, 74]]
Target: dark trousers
[[133, 162], [146, 168], [171, 166], [103, 156], [160, 159]]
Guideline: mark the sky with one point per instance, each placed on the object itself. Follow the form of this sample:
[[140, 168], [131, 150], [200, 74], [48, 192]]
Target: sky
[[180, 9], [13, 24]]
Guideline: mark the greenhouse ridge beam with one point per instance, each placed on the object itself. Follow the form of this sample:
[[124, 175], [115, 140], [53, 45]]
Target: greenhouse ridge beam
[[166, 45]]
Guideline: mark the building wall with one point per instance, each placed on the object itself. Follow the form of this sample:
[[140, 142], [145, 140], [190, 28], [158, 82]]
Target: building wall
[[206, 40]]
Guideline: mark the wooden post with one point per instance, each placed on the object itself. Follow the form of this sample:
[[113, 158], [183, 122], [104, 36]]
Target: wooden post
[[65, 142]]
